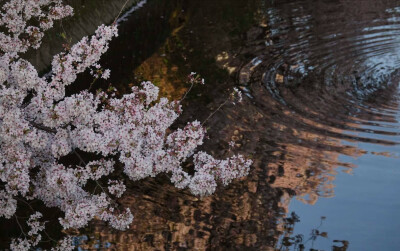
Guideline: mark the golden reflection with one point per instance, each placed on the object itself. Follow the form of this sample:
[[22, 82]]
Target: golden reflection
[[160, 69]]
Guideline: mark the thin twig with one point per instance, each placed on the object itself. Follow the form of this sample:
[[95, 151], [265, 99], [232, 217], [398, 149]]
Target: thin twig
[[98, 184], [42, 127], [212, 114], [22, 230], [80, 158], [66, 35], [51, 239], [120, 12], [26, 203], [91, 84], [186, 93]]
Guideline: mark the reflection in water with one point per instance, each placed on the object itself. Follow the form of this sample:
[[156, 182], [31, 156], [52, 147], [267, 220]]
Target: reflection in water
[[333, 70], [301, 242], [321, 77]]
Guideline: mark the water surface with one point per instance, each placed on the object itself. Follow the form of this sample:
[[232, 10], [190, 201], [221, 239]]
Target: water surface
[[320, 119]]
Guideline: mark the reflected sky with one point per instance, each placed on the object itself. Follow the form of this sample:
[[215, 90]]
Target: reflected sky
[[364, 209]]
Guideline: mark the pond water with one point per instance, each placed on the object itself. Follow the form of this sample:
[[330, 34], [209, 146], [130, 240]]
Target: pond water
[[320, 119]]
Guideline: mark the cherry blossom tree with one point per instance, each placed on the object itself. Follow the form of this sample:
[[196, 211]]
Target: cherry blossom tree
[[40, 125]]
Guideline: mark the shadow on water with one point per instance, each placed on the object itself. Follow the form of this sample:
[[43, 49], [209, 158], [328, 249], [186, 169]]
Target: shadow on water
[[322, 108]]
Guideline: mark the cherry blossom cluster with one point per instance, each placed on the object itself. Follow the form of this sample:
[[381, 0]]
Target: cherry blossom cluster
[[116, 188], [25, 22], [41, 127], [195, 78], [33, 237]]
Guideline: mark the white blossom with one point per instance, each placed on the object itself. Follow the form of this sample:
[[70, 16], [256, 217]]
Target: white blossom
[[116, 187], [40, 125]]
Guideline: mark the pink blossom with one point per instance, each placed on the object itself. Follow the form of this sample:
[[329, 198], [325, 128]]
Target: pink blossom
[[40, 125]]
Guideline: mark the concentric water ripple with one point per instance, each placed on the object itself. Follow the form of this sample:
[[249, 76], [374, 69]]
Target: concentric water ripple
[[340, 58], [333, 69]]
